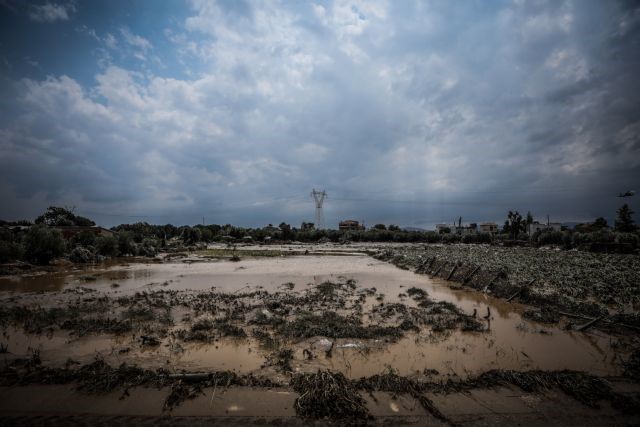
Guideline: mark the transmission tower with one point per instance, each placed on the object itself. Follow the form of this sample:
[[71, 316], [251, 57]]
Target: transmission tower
[[319, 197]]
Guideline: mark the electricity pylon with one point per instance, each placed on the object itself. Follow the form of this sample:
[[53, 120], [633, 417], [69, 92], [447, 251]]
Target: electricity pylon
[[319, 197]]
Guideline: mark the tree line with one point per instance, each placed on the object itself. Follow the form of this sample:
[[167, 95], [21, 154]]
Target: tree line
[[40, 241]]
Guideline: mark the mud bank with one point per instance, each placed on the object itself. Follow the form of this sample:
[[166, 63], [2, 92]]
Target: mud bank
[[588, 285], [320, 395]]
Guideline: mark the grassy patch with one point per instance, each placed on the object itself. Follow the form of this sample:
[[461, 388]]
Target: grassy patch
[[331, 324]]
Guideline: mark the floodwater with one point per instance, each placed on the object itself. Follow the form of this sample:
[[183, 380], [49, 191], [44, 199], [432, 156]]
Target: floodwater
[[511, 342]]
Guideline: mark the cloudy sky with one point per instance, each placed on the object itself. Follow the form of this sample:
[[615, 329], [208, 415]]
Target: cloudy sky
[[406, 112]]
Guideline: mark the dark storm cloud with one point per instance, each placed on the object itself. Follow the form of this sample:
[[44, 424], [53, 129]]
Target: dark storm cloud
[[412, 113]]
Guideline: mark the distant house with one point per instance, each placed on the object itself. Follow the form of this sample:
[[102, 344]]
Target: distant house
[[463, 230], [489, 227], [68, 231], [536, 226], [350, 225]]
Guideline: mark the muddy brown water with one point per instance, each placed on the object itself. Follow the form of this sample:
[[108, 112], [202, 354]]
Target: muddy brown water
[[510, 343]]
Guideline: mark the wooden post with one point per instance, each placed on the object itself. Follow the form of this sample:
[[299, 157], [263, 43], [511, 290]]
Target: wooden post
[[486, 288], [439, 268], [493, 280], [466, 279], [514, 295], [431, 262], [455, 267]]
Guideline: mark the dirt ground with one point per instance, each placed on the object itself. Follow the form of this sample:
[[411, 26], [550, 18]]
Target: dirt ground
[[268, 336]]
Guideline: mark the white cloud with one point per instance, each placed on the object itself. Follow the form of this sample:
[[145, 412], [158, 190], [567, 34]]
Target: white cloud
[[567, 64], [135, 40], [50, 12], [139, 45], [110, 41], [311, 153]]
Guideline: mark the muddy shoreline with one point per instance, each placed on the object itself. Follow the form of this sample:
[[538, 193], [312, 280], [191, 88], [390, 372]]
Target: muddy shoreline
[[580, 285]]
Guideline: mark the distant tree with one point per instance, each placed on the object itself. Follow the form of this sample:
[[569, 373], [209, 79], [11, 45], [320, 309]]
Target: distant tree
[[380, 227], [207, 234], [42, 244], [393, 227], [624, 222], [529, 218], [191, 235], [514, 224], [55, 216], [600, 223], [286, 231]]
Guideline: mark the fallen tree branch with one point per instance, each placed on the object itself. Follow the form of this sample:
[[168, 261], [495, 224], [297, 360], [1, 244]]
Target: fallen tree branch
[[588, 324], [582, 316]]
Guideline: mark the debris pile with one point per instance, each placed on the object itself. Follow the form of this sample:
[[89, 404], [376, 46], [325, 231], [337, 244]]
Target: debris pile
[[328, 395]]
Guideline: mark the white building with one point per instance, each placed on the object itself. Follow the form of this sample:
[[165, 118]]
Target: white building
[[489, 227]]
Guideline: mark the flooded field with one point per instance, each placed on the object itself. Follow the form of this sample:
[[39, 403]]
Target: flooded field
[[503, 340]]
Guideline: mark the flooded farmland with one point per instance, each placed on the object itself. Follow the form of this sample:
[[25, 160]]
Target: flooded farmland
[[272, 317], [509, 341]]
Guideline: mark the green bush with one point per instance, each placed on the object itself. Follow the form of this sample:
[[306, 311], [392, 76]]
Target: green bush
[[84, 238], [42, 244], [433, 237], [484, 238], [107, 245], [549, 237], [451, 238], [10, 251], [603, 236], [148, 248], [82, 255], [126, 243], [628, 238], [469, 238], [579, 239], [476, 238]]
